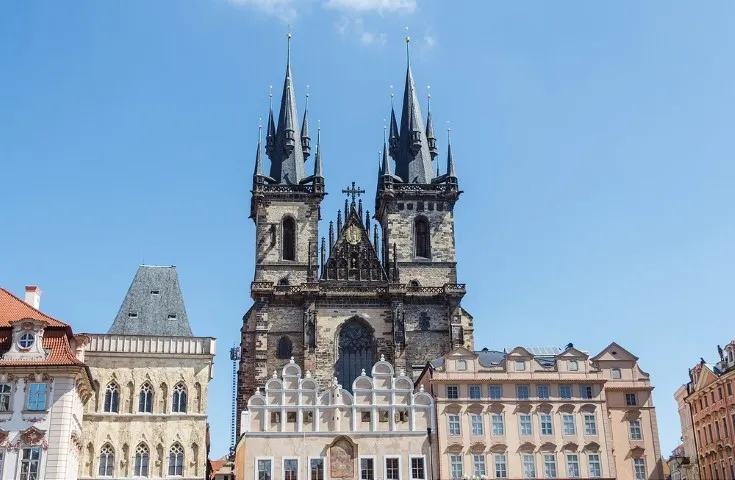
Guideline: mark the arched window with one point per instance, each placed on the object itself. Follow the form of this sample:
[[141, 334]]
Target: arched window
[[112, 398], [145, 398], [142, 455], [176, 461], [289, 238], [107, 461], [356, 351], [179, 399], [284, 347], [421, 237]]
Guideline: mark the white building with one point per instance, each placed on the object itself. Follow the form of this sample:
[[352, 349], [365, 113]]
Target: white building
[[378, 429], [148, 417], [43, 386]]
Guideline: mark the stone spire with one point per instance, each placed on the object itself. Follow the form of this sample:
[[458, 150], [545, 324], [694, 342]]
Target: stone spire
[[287, 160], [430, 137], [393, 137], [270, 133], [318, 157], [413, 161], [305, 139], [258, 160], [450, 160]]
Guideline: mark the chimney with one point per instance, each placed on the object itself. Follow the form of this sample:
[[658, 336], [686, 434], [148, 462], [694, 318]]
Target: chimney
[[33, 296]]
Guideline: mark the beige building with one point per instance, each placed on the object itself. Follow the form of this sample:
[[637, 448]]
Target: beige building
[[378, 429], [543, 413], [148, 417], [684, 458]]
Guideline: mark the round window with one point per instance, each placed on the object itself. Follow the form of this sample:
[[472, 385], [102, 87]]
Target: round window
[[26, 340]]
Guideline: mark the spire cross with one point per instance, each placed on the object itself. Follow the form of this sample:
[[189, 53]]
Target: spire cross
[[353, 191]]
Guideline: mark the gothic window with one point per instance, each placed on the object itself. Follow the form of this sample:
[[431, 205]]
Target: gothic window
[[142, 456], [179, 399], [421, 237], [145, 398], [112, 398], [176, 461], [356, 351], [283, 281], [414, 283], [284, 347], [289, 238], [107, 461]]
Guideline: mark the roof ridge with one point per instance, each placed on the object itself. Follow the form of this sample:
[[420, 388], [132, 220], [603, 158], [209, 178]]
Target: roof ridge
[[32, 308]]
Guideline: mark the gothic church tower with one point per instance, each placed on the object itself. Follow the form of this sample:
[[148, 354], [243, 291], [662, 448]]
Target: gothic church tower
[[337, 303]]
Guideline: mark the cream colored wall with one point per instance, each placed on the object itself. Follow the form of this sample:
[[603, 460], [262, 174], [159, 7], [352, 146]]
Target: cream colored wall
[[158, 430]]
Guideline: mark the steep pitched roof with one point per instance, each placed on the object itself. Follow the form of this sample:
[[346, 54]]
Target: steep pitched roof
[[13, 308], [153, 305], [413, 159]]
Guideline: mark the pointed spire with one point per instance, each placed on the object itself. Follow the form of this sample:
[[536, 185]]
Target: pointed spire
[[450, 161], [339, 222], [367, 221], [359, 208], [385, 168], [375, 237], [305, 139], [430, 138], [324, 257], [270, 134], [318, 156], [331, 236], [394, 137], [258, 161]]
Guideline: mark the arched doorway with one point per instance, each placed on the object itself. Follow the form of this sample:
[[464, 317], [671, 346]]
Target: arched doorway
[[356, 350]]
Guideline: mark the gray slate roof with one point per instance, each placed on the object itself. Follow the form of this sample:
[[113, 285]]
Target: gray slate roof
[[153, 305]]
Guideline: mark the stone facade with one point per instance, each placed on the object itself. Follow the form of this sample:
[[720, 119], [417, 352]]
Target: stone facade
[[683, 461], [543, 413], [43, 387], [379, 428], [130, 364]]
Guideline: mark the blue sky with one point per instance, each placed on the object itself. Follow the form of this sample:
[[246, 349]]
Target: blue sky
[[593, 142]]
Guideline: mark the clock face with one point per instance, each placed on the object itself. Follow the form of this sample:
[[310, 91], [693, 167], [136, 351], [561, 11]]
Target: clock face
[[353, 235]]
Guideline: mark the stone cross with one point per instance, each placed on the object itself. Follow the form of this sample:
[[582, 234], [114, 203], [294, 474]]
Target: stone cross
[[353, 191]]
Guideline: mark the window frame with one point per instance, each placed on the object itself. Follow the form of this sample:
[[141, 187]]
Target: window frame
[[554, 464], [410, 466], [583, 392], [425, 246], [455, 389], [309, 473], [518, 392], [481, 424], [635, 468], [30, 461], [491, 389], [616, 373], [520, 366], [458, 424], [298, 467], [567, 388], [114, 394], [385, 466], [461, 365], [594, 424], [109, 463], [3, 454], [182, 392], [183, 460], [360, 458], [524, 464], [140, 454], [546, 389], [573, 365], [475, 463], [283, 238], [493, 416], [149, 397], [637, 432], [549, 424], [598, 462], [631, 396], [8, 395], [564, 424], [529, 424], [30, 393], [256, 460], [452, 464], [504, 456], [568, 464], [477, 389]]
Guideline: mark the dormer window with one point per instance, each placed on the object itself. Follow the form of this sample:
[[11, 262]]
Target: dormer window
[[132, 315], [461, 364], [573, 366], [155, 292], [520, 365], [172, 316], [26, 341]]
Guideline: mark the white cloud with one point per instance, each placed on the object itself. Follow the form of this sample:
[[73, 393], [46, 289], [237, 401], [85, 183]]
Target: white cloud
[[429, 41], [405, 6], [369, 38], [283, 9]]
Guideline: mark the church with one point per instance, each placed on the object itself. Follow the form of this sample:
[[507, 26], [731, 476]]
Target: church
[[338, 296]]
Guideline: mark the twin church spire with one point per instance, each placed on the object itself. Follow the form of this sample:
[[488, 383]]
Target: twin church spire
[[412, 147]]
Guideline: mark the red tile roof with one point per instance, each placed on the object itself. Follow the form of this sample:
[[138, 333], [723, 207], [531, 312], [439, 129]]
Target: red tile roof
[[13, 308], [56, 335]]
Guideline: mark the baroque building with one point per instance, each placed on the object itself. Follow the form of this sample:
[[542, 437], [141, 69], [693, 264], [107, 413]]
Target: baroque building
[[379, 428], [148, 416], [365, 290], [543, 413], [711, 403], [43, 386]]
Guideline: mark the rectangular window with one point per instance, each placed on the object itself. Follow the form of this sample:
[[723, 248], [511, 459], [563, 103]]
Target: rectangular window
[[367, 469], [461, 365], [639, 469], [590, 424], [2, 460], [573, 365], [29, 464], [291, 417], [635, 430], [264, 469], [475, 392], [478, 465], [572, 466], [476, 422], [542, 391], [529, 466], [616, 374], [522, 392], [719, 393], [567, 423], [724, 426], [392, 468], [631, 400], [316, 469], [565, 391], [520, 365], [418, 469], [5, 397], [290, 469], [308, 417], [501, 466], [549, 465], [525, 424], [729, 388], [454, 428], [495, 392], [498, 424], [585, 391], [546, 424], [452, 392], [712, 394], [383, 416], [275, 418], [37, 396], [595, 465], [455, 467], [365, 417], [717, 429]]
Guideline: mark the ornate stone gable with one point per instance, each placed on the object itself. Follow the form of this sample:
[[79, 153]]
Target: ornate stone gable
[[353, 257]]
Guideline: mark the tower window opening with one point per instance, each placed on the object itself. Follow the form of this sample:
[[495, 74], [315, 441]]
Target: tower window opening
[[421, 236], [289, 238]]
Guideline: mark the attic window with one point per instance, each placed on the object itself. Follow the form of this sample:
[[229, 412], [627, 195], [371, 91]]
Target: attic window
[[132, 315], [155, 292], [172, 316]]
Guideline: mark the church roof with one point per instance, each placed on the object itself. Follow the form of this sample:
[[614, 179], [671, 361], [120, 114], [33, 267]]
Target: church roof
[[153, 305]]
